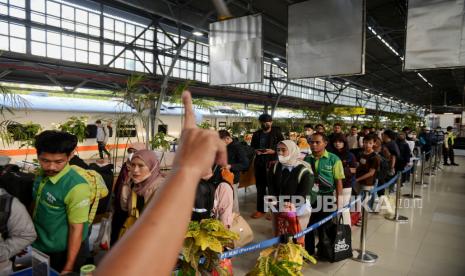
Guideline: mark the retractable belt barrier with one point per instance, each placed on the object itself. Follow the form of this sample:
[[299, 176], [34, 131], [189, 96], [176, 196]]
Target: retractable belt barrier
[[270, 242]]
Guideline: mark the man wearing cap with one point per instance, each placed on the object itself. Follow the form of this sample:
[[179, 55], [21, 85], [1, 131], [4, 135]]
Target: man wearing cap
[[264, 142], [448, 147]]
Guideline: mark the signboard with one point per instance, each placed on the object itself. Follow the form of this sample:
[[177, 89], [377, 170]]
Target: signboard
[[349, 111]]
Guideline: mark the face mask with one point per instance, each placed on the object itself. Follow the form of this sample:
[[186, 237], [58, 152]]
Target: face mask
[[130, 156], [283, 159], [308, 132]]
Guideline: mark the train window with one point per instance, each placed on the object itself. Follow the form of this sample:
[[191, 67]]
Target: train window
[[126, 131], [163, 128], [91, 131], [23, 132]]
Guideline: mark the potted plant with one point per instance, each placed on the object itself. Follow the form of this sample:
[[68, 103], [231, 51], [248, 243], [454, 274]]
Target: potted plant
[[204, 243], [282, 259]]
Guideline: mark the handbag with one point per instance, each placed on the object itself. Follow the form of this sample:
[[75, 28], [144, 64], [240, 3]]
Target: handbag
[[242, 228], [342, 243], [104, 235], [288, 223], [133, 216]]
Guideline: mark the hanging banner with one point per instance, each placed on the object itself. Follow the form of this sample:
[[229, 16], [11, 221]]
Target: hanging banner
[[435, 34], [326, 38], [347, 111], [236, 51]]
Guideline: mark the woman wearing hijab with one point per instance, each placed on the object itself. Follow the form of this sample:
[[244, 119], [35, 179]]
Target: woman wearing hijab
[[120, 215], [290, 177], [145, 179], [340, 147]]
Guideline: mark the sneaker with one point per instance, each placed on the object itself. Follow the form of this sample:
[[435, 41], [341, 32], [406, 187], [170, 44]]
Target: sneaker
[[257, 215], [446, 164], [455, 164]]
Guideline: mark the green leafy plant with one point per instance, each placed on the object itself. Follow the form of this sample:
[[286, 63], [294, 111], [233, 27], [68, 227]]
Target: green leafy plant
[[205, 240], [76, 126], [205, 125], [159, 141], [282, 259]]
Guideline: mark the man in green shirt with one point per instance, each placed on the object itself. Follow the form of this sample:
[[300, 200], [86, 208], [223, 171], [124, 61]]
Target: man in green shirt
[[329, 173], [61, 202]]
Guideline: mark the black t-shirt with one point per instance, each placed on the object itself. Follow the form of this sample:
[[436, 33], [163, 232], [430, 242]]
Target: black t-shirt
[[264, 140], [367, 162], [393, 148]]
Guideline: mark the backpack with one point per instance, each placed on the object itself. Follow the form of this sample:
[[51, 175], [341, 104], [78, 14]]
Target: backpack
[[17, 183], [204, 200], [382, 173], [249, 153], [301, 173], [5, 209], [98, 189]]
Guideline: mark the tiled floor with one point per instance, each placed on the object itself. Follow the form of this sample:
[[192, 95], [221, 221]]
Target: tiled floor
[[431, 243]]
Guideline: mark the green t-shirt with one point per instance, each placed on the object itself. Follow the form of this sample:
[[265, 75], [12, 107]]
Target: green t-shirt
[[60, 200], [328, 169]]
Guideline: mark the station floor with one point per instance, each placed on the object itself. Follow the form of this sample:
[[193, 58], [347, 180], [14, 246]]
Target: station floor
[[431, 243]]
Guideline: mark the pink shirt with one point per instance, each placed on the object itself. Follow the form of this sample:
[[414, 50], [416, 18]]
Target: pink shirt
[[223, 204]]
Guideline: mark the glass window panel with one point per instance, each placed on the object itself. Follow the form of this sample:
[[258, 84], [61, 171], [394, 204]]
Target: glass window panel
[[38, 18], [139, 66], [108, 49], [119, 37], [38, 5], [129, 54], [108, 23], [38, 48], [81, 44], [81, 16], [17, 31], [53, 8], [131, 30], [38, 35], [81, 56], [94, 46], [3, 9], [3, 28], [94, 19], [17, 45], [118, 49], [17, 12], [119, 26], [82, 28], [52, 21], [148, 57], [67, 41], [53, 38], [175, 73], [67, 12], [67, 54], [107, 59], [4, 43], [109, 34], [53, 51], [94, 58], [94, 31], [18, 3], [149, 65], [119, 63], [149, 35], [68, 25]]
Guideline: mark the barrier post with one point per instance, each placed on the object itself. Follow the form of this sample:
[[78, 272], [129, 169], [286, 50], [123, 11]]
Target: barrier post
[[396, 217], [422, 170], [436, 153], [414, 179], [362, 255], [431, 172]]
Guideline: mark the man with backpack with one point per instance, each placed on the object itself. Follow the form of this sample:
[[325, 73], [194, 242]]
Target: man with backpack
[[237, 161], [16, 228], [61, 202], [102, 139]]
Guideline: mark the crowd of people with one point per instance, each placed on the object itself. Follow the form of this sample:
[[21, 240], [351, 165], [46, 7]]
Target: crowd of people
[[316, 166]]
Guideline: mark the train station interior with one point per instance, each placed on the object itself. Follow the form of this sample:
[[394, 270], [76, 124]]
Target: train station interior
[[343, 124]]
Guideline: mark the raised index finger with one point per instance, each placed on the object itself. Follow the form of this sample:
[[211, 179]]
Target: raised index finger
[[189, 119]]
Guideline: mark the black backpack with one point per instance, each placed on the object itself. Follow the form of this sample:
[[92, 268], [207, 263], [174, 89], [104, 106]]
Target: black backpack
[[17, 183], [5, 209], [249, 153], [204, 200], [382, 173]]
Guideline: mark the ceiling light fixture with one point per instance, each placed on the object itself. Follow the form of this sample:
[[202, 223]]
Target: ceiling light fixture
[[197, 33], [346, 83], [276, 58]]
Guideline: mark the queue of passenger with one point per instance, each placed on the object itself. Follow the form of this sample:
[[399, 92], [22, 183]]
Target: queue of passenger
[[315, 167]]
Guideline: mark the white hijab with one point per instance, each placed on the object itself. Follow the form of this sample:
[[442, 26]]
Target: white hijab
[[294, 156]]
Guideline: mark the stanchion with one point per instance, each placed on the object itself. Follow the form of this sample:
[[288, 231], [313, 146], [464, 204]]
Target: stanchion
[[396, 217], [431, 172], [422, 170], [362, 255], [436, 153], [414, 179]]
